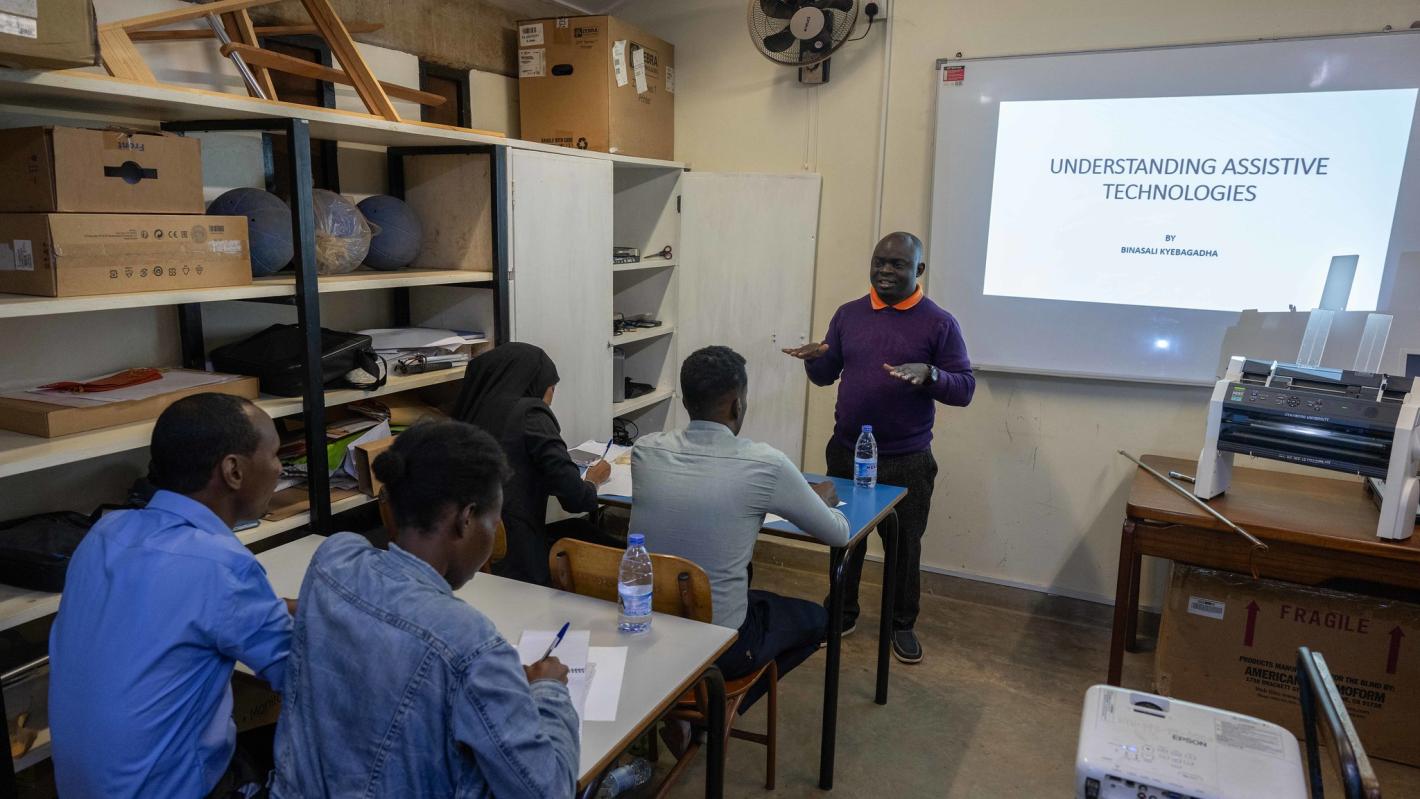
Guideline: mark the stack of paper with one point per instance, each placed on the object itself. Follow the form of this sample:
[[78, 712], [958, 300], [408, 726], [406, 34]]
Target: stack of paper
[[594, 672], [619, 485]]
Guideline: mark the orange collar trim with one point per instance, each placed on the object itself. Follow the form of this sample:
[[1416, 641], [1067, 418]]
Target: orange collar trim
[[906, 304]]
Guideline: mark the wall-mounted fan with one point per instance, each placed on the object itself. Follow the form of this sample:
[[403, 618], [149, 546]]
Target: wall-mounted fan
[[804, 33]]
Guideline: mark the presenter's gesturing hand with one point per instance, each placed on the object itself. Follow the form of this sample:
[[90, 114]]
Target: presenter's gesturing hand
[[807, 352], [915, 373]]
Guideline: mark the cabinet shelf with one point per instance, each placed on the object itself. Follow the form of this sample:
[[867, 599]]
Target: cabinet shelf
[[20, 453], [16, 305], [641, 334], [101, 95], [19, 606], [619, 409], [638, 265]]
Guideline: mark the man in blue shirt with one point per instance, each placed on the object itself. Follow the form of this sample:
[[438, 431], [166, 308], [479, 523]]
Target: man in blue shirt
[[158, 606]]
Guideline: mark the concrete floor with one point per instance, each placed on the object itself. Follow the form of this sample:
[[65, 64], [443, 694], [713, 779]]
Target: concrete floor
[[992, 711]]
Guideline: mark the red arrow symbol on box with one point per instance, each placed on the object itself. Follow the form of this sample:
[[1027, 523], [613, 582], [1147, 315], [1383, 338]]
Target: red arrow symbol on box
[[1394, 657], [1252, 610]]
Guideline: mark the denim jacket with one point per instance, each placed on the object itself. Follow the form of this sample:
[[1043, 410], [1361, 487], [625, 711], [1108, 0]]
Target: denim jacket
[[397, 688]]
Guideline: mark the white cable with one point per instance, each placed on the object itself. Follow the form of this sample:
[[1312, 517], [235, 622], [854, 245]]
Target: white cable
[[882, 130]]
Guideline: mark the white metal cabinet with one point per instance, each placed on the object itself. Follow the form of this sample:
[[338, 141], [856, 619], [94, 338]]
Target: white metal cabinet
[[560, 215], [746, 281]]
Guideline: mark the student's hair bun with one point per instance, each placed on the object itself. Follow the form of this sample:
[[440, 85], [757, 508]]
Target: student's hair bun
[[391, 467]]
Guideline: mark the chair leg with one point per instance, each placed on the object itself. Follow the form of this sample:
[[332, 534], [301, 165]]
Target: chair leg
[[655, 747], [773, 730]]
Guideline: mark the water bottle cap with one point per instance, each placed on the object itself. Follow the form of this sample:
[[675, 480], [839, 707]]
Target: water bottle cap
[[867, 428], [636, 540]]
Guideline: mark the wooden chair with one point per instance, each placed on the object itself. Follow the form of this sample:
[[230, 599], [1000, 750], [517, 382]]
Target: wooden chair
[[500, 538], [681, 588], [1322, 709]]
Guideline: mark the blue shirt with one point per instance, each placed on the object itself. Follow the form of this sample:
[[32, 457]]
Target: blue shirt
[[398, 688], [158, 606]]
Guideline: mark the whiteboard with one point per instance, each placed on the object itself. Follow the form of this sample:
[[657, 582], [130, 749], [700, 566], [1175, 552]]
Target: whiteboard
[[1131, 340]]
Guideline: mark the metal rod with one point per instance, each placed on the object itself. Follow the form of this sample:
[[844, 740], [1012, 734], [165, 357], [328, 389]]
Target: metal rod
[[1195, 500], [194, 345], [221, 33], [303, 224], [837, 559], [891, 541], [1181, 476]]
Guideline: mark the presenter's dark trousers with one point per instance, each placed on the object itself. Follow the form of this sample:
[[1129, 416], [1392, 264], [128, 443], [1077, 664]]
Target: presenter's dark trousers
[[917, 472]]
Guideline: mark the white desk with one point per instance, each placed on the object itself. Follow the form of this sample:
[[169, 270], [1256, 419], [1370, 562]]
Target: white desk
[[660, 665]]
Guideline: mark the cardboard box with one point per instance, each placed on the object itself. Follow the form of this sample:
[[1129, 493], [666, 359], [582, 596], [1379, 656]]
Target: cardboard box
[[1231, 642], [48, 34], [596, 83], [49, 420], [365, 455], [69, 255], [99, 171]]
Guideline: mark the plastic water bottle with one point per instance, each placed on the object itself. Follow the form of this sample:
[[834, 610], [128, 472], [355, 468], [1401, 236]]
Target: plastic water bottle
[[623, 778], [865, 460], [634, 586]]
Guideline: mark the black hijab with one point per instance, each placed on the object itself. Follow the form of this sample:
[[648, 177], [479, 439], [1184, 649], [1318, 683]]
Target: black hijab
[[501, 379]]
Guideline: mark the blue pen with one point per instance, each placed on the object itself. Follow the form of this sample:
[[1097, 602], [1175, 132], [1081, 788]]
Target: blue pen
[[555, 641]]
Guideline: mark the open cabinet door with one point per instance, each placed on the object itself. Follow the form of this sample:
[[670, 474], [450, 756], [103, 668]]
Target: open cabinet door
[[747, 282], [561, 286]]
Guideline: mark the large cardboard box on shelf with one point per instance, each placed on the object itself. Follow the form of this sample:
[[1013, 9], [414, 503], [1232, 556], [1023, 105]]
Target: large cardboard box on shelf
[[1229, 641], [48, 34], [99, 171], [596, 83], [38, 418], [71, 255]]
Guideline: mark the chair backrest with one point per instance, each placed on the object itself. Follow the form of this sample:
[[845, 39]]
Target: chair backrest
[[1322, 708], [680, 587], [500, 538]]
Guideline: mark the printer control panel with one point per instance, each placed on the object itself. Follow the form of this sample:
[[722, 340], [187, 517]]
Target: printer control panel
[[1312, 406]]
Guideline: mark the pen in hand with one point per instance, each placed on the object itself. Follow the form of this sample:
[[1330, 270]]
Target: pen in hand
[[555, 641]]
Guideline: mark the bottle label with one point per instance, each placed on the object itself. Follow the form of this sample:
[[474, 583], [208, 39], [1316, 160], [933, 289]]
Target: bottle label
[[635, 600], [865, 470]]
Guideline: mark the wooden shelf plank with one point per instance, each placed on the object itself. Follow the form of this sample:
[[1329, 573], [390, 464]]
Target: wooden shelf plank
[[657, 263], [642, 402], [99, 94], [13, 305], [641, 334], [19, 606], [20, 453]]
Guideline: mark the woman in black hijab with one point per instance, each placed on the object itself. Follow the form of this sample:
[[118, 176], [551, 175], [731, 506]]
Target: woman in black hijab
[[507, 391]]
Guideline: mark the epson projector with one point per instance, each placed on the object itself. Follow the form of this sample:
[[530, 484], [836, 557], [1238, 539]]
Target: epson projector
[[1135, 745]]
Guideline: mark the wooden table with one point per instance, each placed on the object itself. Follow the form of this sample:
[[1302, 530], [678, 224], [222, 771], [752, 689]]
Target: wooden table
[[660, 665], [866, 510], [1316, 529]]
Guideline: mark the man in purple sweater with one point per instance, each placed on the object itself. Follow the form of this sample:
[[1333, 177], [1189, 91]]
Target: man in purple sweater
[[896, 353]]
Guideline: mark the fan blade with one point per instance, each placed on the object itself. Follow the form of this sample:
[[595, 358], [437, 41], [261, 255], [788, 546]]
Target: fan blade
[[779, 42], [822, 44], [836, 5], [779, 9]]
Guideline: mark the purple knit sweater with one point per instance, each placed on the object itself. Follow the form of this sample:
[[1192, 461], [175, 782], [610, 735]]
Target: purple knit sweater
[[860, 340]]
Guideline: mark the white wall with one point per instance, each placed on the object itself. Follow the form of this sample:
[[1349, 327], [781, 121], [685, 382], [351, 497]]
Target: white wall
[[1031, 491]]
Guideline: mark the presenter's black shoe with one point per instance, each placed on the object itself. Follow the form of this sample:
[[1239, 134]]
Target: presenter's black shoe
[[850, 626], [905, 647]]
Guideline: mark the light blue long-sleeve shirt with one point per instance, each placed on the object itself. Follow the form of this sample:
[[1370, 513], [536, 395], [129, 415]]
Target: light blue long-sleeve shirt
[[398, 688], [159, 604], [702, 494]]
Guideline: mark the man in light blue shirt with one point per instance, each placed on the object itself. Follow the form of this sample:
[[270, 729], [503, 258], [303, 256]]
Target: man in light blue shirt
[[158, 606], [702, 494]]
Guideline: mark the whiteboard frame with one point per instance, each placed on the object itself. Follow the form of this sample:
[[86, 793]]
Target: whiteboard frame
[[1395, 349]]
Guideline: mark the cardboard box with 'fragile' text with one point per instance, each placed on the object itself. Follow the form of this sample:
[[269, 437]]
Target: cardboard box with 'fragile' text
[[1229, 641]]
